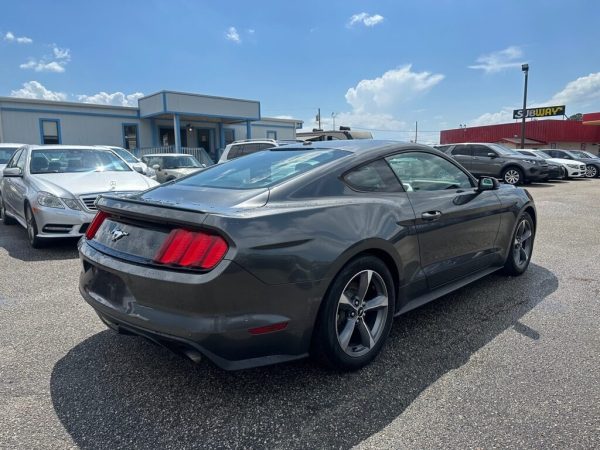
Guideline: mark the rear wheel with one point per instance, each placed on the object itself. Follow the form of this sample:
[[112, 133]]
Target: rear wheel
[[513, 175], [521, 246], [591, 171], [7, 220], [32, 229], [356, 315]]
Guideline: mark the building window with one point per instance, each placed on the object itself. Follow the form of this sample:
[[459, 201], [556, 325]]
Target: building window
[[130, 136], [50, 131], [229, 135], [271, 134]]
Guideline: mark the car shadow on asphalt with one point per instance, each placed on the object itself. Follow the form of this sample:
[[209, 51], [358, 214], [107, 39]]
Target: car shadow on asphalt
[[14, 240], [114, 391]]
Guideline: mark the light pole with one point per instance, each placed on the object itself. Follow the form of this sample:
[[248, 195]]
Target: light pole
[[524, 68], [333, 117]]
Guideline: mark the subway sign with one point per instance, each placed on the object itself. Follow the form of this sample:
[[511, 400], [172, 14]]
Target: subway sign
[[545, 111]]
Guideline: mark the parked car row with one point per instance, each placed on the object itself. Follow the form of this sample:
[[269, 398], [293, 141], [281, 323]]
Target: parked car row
[[522, 166]]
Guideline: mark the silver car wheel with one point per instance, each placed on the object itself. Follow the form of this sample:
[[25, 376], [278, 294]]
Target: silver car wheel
[[361, 313], [591, 171], [512, 176], [522, 245]]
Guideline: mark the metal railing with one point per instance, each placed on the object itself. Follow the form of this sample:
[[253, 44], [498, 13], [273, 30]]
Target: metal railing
[[199, 153]]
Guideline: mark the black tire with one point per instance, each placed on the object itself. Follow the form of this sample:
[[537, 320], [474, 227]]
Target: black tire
[[591, 171], [365, 323], [6, 220], [32, 229], [516, 264], [513, 175]]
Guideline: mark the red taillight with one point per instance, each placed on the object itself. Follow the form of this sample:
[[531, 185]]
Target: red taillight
[[192, 249], [268, 328], [93, 228]]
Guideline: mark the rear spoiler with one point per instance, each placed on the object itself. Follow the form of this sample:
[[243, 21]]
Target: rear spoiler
[[164, 213]]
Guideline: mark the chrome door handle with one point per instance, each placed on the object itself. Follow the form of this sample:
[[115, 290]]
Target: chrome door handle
[[431, 215]]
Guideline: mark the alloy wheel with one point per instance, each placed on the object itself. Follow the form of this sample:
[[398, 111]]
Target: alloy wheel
[[361, 313], [523, 243], [591, 171], [512, 176]]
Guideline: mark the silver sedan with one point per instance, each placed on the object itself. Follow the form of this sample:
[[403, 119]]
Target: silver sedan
[[52, 190]]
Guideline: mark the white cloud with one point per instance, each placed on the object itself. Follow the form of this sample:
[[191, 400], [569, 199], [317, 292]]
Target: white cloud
[[116, 98], [42, 66], [35, 90], [10, 37], [366, 19], [55, 63], [494, 62], [576, 95], [582, 91], [233, 35], [382, 94]]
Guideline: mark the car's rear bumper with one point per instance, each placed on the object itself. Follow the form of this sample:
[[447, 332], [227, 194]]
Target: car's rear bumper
[[537, 174], [209, 313]]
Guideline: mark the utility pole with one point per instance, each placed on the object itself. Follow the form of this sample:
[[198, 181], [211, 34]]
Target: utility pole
[[416, 131], [524, 68], [319, 117], [333, 118]]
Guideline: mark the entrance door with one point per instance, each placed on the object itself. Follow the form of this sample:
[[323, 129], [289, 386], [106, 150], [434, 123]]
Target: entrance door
[[167, 137], [205, 140]]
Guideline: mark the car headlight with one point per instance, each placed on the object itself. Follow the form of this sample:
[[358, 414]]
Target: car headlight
[[49, 201], [573, 166], [532, 161], [71, 203]]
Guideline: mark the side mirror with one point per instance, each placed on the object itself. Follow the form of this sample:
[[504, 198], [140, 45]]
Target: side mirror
[[138, 169], [12, 172], [487, 184], [492, 155], [156, 167]]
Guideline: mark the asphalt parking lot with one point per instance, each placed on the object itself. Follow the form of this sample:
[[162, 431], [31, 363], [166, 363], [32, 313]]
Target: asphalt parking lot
[[505, 362]]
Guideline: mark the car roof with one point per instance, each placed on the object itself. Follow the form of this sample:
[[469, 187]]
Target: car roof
[[11, 145], [166, 154], [349, 145], [68, 147]]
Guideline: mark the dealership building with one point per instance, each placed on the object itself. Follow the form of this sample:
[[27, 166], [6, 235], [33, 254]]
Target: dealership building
[[545, 133], [164, 120]]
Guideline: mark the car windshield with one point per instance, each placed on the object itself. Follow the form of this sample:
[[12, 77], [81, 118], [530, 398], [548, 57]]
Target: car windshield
[[504, 150], [179, 162], [125, 155], [541, 154], [6, 153], [263, 169], [579, 154], [75, 161]]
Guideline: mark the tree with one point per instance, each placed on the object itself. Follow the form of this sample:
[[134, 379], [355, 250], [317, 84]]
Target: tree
[[578, 117]]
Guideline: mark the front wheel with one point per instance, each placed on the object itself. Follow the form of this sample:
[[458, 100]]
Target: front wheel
[[32, 229], [591, 171], [356, 315], [521, 246], [513, 175]]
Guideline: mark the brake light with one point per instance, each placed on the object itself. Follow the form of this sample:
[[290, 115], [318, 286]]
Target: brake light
[[184, 248], [93, 228]]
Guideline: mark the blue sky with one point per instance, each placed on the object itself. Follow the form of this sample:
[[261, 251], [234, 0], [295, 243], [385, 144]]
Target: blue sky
[[379, 65]]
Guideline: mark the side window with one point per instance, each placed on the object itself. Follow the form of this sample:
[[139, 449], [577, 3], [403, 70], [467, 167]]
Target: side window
[[265, 146], [21, 161], [130, 136], [13, 160], [420, 171], [482, 150], [373, 177], [253, 148], [462, 150], [235, 151]]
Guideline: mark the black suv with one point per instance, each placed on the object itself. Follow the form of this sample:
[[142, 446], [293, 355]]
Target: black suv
[[493, 160]]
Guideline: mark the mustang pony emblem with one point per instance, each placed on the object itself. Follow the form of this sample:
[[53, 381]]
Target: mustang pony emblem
[[117, 234], [113, 185]]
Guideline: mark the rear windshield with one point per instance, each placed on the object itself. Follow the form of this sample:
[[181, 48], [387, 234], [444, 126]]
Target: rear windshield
[[6, 153], [125, 155], [263, 169], [75, 160]]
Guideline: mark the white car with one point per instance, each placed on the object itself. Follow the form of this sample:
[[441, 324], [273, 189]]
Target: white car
[[6, 151], [248, 146], [51, 190], [135, 163], [575, 169]]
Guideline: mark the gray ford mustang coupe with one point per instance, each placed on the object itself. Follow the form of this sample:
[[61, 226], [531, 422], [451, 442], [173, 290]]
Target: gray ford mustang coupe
[[304, 249]]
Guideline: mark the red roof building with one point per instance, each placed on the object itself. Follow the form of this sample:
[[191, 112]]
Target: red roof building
[[565, 134]]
